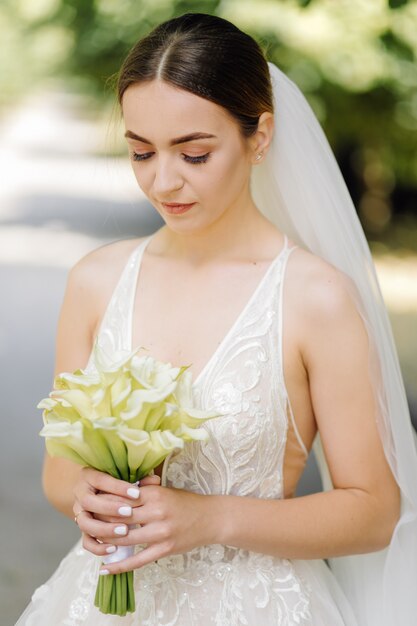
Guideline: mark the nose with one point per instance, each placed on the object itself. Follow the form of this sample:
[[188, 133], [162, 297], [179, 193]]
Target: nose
[[167, 177]]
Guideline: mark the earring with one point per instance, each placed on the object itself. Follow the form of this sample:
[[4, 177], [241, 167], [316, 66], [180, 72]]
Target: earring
[[259, 156]]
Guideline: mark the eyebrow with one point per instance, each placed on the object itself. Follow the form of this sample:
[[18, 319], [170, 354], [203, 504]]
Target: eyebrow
[[191, 137]]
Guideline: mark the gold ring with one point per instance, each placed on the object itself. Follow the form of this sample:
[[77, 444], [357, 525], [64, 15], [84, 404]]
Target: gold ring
[[76, 516]]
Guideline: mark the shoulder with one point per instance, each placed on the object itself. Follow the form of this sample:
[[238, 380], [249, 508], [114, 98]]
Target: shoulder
[[324, 288], [95, 275], [89, 286], [110, 255], [98, 266], [324, 299]]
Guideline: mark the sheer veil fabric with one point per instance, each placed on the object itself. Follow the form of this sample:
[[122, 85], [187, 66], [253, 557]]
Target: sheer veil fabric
[[300, 188]]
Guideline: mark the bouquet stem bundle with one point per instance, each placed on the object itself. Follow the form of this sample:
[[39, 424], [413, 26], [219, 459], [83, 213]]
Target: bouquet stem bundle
[[115, 594]]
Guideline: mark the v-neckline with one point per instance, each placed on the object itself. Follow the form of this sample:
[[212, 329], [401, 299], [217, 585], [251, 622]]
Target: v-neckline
[[242, 313]]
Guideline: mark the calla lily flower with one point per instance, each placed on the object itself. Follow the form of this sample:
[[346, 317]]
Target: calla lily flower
[[120, 391], [140, 397], [162, 443], [78, 379], [58, 409], [78, 438], [137, 444], [108, 428]]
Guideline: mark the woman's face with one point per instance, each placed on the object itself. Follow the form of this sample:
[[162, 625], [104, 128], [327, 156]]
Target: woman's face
[[210, 169]]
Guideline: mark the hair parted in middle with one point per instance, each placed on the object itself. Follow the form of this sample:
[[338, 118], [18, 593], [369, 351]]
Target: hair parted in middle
[[209, 57]]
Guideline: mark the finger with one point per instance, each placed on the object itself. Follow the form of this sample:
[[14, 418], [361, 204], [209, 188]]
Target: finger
[[108, 506], [147, 511], [147, 555], [121, 501], [77, 509], [157, 532], [99, 549], [150, 480], [101, 530], [103, 482], [115, 519], [111, 508]]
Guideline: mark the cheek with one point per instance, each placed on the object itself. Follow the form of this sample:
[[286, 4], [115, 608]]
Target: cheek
[[230, 174], [142, 178]]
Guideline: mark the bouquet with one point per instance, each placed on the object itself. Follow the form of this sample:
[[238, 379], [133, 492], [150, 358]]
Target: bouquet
[[123, 419]]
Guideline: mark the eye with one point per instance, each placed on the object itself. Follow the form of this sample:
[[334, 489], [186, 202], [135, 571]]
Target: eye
[[190, 159], [197, 159], [141, 157]]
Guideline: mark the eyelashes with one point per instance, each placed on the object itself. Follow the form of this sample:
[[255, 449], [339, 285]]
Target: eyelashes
[[189, 159]]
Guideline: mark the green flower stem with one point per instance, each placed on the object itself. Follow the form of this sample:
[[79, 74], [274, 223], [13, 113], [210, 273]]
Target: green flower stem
[[115, 594]]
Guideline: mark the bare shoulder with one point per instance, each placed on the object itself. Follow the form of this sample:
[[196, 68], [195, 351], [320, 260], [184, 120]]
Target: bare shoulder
[[108, 257], [322, 289], [322, 301], [90, 284], [99, 270]]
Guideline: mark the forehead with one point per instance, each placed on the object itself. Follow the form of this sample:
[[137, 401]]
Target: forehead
[[159, 110]]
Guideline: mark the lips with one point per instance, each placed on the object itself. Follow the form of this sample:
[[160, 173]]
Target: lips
[[174, 204], [176, 207]]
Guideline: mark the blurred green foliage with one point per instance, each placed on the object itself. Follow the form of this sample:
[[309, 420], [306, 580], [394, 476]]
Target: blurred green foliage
[[355, 60]]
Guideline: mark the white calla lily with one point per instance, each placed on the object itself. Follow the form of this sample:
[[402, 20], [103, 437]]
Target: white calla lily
[[78, 399], [77, 379], [108, 427], [191, 434], [75, 436], [137, 443], [162, 443], [120, 391], [140, 397]]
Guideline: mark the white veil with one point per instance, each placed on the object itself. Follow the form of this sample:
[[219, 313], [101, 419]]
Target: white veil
[[300, 188]]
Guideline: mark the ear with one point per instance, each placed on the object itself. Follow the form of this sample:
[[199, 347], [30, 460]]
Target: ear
[[261, 140]]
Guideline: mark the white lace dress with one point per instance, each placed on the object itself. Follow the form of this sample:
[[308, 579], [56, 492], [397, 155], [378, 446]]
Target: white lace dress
[[214, 584]]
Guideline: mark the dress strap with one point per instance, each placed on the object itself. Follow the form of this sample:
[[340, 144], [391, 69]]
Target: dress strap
[[114, 333], [287, 254]]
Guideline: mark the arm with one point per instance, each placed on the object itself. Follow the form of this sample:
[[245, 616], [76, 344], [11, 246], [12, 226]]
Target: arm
[[89, 287], [73, 345], [357, 516], [360, 513]]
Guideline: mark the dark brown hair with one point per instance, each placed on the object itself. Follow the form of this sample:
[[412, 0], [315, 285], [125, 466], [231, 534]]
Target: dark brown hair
[[207, 56]]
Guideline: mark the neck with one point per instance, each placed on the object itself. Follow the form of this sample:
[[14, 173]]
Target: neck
[[237, 234]]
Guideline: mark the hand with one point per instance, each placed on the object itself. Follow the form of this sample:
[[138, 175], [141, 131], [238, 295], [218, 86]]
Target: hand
[[172, 521], [102, 506]]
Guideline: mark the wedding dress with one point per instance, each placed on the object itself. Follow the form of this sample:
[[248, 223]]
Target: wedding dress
[[249, 450]]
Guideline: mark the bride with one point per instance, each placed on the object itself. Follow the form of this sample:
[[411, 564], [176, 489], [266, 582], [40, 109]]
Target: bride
[[262, 280]]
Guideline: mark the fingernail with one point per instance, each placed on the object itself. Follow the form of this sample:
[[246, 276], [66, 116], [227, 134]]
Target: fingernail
[[120, 530], [104, 572], [133, 492], [111, 549], [125, 510]]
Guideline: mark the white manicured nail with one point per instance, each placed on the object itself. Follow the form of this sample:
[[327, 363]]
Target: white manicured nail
[[120, 530], [133, 492], [104, 572], [111, 549], [126, 511]]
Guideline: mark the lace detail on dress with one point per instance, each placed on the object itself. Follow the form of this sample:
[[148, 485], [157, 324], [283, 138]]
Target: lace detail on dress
[[243, 455], [83, 586], [79, 608], [224, 583]]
